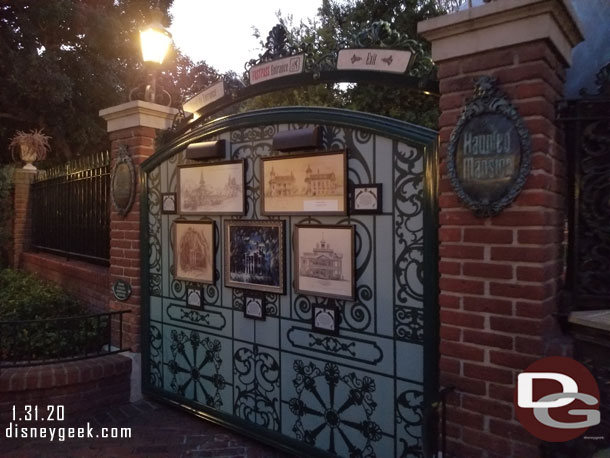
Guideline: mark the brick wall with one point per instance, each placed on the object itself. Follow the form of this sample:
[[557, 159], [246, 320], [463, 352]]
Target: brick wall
[[79, 386], [125, 233], [500, 276], [88, 282], [22, 223]]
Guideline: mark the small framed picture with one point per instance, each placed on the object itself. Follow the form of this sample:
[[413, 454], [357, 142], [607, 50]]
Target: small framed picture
[[324, 262], [254, 306], [325, 319], [194, 297], [194, 251], [168, 203], [366, 199]]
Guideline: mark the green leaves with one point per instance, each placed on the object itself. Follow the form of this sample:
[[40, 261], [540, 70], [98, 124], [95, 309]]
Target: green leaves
[[25, 297]]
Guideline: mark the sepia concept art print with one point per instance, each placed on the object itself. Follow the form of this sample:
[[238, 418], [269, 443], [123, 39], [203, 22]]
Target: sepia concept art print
[[324, 261], [211, 189], [194, 251], [312, 184], [254, 255]]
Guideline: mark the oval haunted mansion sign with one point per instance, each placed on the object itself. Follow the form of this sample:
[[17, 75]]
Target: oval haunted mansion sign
[[123, 182], [488, 158]]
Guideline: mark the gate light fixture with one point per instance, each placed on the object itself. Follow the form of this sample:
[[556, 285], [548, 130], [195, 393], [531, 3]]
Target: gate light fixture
[[155, 42]]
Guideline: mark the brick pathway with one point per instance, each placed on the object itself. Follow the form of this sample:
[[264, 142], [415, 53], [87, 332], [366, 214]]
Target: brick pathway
[[157, 431]]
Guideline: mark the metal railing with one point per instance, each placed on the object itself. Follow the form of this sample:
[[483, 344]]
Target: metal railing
[[53, 340], [71, 209]]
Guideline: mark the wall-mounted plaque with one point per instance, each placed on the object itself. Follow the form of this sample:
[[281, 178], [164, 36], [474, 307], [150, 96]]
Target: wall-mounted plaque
[[194, 297], [168, 203], [488, 158], [121, 290], [254, 306], [123, 182], [325, 319], [366, 198]]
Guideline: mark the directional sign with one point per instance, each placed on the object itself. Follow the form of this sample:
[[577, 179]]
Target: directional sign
[[214, 92], [382, 60], [276, 69]]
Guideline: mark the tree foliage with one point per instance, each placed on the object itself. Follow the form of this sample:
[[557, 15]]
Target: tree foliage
[[335, 26], [64, 60]]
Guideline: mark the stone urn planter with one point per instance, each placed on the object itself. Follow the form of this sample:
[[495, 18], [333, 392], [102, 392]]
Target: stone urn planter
[[30, 147]]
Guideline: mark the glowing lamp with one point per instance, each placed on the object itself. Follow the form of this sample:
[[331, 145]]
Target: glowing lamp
[[155, 40]]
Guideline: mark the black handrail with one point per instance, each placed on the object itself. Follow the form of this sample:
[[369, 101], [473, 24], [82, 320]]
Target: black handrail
[[26, 343]]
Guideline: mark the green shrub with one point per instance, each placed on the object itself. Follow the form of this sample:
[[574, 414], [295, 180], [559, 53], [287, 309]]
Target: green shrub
[[26, 297]]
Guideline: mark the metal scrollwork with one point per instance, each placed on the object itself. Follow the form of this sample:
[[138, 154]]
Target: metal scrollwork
[[588, 134], [276, 47], [188, 372], [409, 324], [602, 80], [156, 343], [409, 414], [257, 388], [345, 415]]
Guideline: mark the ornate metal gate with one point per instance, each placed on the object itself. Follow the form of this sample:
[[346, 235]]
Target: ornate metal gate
[[587, 122], [368, 390]]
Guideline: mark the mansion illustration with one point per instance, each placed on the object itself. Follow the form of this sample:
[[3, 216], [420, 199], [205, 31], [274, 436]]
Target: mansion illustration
[[204, 195], [316, 184], [255, 260], [195, 251], [323, 263]]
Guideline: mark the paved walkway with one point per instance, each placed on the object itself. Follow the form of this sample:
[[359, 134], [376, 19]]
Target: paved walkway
[[157, 431]]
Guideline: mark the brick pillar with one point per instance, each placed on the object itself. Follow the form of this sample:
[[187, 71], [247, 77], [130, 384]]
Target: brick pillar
[[135, 125], [501, 276], [22, 217]]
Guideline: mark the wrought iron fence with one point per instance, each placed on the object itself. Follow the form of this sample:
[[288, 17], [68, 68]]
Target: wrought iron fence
[[35, 342], [70, 209]]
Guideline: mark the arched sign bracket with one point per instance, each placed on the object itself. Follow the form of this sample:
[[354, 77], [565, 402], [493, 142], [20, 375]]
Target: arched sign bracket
[[313, 68]]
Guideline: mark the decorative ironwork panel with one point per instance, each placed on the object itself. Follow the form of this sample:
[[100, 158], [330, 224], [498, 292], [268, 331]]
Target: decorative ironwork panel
[[587, 127], [356, 393], [257, 383]]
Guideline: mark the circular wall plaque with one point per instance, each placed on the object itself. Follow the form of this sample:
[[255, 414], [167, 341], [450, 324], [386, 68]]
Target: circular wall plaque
[[488, 158], [121, 290], [123, 182]]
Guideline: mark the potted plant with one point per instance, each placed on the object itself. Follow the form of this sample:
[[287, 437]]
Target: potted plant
[[30, 146]]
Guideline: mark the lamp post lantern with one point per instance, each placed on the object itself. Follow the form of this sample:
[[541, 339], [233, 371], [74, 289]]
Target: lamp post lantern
[[155, 42]]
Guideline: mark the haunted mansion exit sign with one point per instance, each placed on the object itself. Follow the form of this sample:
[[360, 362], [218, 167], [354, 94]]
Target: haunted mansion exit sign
[[488, 157]]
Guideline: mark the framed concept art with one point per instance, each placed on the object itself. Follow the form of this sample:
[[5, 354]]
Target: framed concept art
[[324, 261], [211, 189], [254, 255], [311, 184], [194, 251]]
